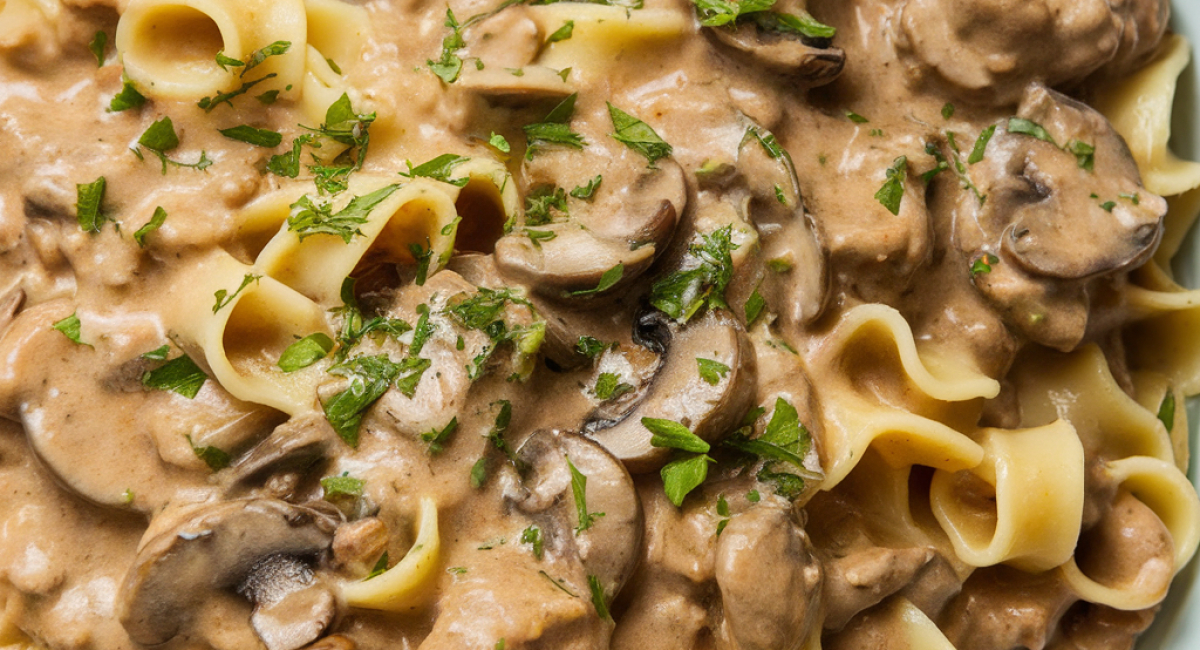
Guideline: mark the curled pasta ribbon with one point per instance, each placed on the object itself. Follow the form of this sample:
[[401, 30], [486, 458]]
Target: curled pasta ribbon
[[418, 213], [321, 88], [337, 30], [169, 47], [405, 586], [916, 627], [243, 335], [21, 20], [856, 420], [602, 33], [1079, 388], [1139, 107], [1151, 390], [1037, 475], [1168, 493]]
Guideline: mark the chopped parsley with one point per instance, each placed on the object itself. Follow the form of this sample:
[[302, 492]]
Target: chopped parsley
[[586, 192], [479, 473], [448, 67], [673, 435], [160, 138], [158, 354], [254, 60], [607, 280], [708, 271], [223, 297], [722, 511], [542, 202], [983, 264], [1030, 128], [180, 375], [499, 143], [609, 386], [754, 307], [562, 33], [1085, 154], [855, 117], [380, 567], [127, 98], [892, 191], [1166, 410], [785, 440], [533, 536], [440, 169], [682, 476], [156, 221], [1108, 206], [308, 218], [250, 135], [947, 111], [437, 438], [591, 347], [637, 135], [599, 601], [712, 371], [554, 129], [579, 490], [70, 327], [216, 459], [88, 198], [341, 486], [981, 145], [99, 41], [305, 352], [369, 378]]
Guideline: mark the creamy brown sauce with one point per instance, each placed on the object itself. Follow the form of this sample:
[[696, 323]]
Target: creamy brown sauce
[[97, 471]]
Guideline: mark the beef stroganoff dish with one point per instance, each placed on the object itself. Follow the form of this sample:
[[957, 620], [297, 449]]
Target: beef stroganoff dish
[[673, 324]]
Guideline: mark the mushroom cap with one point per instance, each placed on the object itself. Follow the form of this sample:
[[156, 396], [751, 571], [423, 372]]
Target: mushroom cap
[[611, 547], [812, 64], [217, 547], [679, 393]]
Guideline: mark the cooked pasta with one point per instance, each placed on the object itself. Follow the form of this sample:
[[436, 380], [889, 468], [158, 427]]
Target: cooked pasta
[[342, 325]]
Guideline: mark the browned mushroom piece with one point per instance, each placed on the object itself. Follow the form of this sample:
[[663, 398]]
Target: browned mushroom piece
[[291, 448], [629, 225], [764, 39], [767, 605], [263, 548], [609, 548], [1065, 205], [677, 391]]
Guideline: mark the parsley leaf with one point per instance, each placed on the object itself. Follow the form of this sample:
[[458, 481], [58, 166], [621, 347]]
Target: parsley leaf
[[586, 192], [341, 486], [209, 103], [223, 297], [638, 135], [308, 218], [754, 307], [381, 567], [288, 164], [855, 117], [609, 386], [1030, 128], [70, 327], [1085, 154], [250, 135], [947, 111], [180, 374], [305, 352], [542, 201], [590, 347], [541, 134], [448, 67], [682, 294], [156, 221], [607, 280], [437, 438], [160, 138], [88, 198], [128, 98], [1166, 410], [983, 264], [369, 378], [99, 40], [981, 145], [579, 490], [215, 458], [562, 33], [712, 371], [682, 476], [673, 435], [533, 536], [715, 13], [801, 24], [158, 354], [498, 142], [892, 191], [440, 169]]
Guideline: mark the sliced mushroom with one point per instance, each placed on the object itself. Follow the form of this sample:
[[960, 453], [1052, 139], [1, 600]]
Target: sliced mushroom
[[257, 545], [610, 547], [1055, 224], [292, 447], [814, 62], [678, 392], [767, 605], [629, 221]]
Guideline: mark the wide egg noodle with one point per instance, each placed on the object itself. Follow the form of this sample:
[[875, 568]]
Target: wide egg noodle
[[1037, 477], [189, 29], [856, 419], [405, 586]]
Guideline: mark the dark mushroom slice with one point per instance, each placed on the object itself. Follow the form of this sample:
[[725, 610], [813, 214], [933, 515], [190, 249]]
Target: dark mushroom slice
[[629, 225], [1064, 207], [263, 547], [610, 547], [679, 393], [761, 38], [768, 605], [292, 447]]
